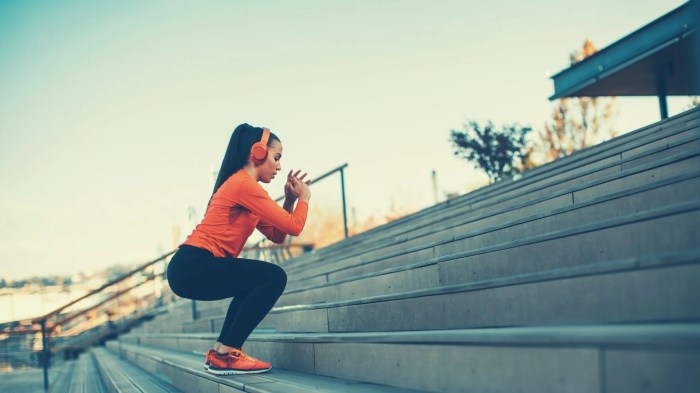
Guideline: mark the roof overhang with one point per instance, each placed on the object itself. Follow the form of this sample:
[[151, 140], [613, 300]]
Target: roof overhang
[[661, 58]]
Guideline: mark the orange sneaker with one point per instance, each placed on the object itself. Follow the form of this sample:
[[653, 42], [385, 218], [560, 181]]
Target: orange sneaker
[[207, 358], [236, 362]]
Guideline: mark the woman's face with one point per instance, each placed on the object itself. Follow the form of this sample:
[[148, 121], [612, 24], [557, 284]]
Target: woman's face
[[272, 165]]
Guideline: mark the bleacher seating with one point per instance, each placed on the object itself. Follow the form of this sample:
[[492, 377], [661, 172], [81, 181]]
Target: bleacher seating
[[582, 275]]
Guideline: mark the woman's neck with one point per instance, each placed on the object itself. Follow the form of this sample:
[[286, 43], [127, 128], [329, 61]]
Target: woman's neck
[[252, 171]]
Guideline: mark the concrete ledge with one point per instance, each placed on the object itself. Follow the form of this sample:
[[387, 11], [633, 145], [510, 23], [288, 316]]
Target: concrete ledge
[[185, 370], [79, 376], [616, 146], [621, 202], [530, 299], [687, 161], [496, 189], [543, 297], [453, 268], [122, 377], [610, 336], [530, 359]]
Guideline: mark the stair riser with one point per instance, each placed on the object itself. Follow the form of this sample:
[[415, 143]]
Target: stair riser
[[668, 233], [640, 179], [679, 133], [409, 280], [666, 294], [477, 368], [647, 200], [660, 234], [490, 265]]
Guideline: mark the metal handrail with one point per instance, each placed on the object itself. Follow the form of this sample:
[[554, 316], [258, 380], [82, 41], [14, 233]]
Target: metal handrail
[[342, 191], [46, 329], [114, 296], [103, 287]]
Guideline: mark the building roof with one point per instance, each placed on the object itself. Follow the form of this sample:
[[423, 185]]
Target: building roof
[[659, 59]]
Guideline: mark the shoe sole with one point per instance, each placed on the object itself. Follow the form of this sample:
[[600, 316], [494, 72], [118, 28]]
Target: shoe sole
[[236, 372]]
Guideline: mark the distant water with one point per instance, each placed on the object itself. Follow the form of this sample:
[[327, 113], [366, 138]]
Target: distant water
[[24, 304]]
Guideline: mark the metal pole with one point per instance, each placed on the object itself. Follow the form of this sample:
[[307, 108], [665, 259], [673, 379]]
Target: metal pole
[[342, 189], [45, 354], [194, 310], [663, 107], [661, 90], [435, 193]]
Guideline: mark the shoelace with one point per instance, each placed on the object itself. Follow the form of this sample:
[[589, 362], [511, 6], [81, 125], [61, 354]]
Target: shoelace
[[241, 355]]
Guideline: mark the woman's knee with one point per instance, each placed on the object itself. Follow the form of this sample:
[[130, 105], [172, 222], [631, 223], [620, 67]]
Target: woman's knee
[[279, 276]]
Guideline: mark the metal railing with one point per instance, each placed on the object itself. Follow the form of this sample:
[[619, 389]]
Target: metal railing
[[340, 169], [81, 332]]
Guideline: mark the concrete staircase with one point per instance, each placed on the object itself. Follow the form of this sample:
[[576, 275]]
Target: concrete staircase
[[581, 276]]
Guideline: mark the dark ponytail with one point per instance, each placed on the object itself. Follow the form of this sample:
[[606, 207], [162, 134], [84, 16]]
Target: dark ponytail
[[238, 151]]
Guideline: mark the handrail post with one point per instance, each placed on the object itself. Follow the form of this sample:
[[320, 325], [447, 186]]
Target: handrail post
[[45, 354], [342, 189]]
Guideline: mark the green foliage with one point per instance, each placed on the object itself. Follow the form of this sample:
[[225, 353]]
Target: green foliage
[[500, 153]]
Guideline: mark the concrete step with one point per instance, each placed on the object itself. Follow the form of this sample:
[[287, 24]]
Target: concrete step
[[587, 358], [405, 272], [618, 197], [629, 236], [610, 151], [122, 377], [185, 370], [31, 380], [580, 194], [660, 287], [443, 228], [626, 290], [79, 376], [525, 193]]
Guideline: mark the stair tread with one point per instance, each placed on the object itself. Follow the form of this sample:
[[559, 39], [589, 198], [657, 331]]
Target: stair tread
[[276, 380], [656, 335], [127, 378]]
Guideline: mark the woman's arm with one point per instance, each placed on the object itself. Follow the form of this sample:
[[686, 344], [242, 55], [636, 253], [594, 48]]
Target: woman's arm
[[291, 194], [271, 232], [254, 198]]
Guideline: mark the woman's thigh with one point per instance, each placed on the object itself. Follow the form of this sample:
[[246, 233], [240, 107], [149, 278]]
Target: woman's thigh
[[202, 276]]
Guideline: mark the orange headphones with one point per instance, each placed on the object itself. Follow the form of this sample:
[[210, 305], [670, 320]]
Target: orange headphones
[[258, 152]]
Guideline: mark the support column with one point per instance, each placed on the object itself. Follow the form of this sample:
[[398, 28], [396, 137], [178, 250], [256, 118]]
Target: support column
[[661, 89]]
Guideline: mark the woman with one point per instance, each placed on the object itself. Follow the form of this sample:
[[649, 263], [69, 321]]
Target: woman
[[206, 266]]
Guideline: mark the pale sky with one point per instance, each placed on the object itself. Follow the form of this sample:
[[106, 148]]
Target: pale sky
[[113, 115]]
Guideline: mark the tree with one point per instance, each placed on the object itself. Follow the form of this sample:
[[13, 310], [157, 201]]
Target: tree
[[500, 153], [576, 122]]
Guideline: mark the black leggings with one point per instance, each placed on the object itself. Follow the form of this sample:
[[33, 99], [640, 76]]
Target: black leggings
[[255, 286]]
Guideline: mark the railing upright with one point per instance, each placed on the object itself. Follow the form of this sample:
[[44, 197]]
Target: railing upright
[[342, 191], [45, 353]]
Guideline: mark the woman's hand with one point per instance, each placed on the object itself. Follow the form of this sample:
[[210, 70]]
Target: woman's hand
[[296, 187]]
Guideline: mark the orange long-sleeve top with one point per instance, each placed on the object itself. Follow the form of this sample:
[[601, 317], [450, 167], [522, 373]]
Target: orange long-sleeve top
[[237, 208]]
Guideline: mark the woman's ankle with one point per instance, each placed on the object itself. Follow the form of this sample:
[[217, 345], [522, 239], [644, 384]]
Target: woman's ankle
[[224, 349]]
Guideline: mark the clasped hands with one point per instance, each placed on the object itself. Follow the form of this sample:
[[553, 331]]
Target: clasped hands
[[296, 187]]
